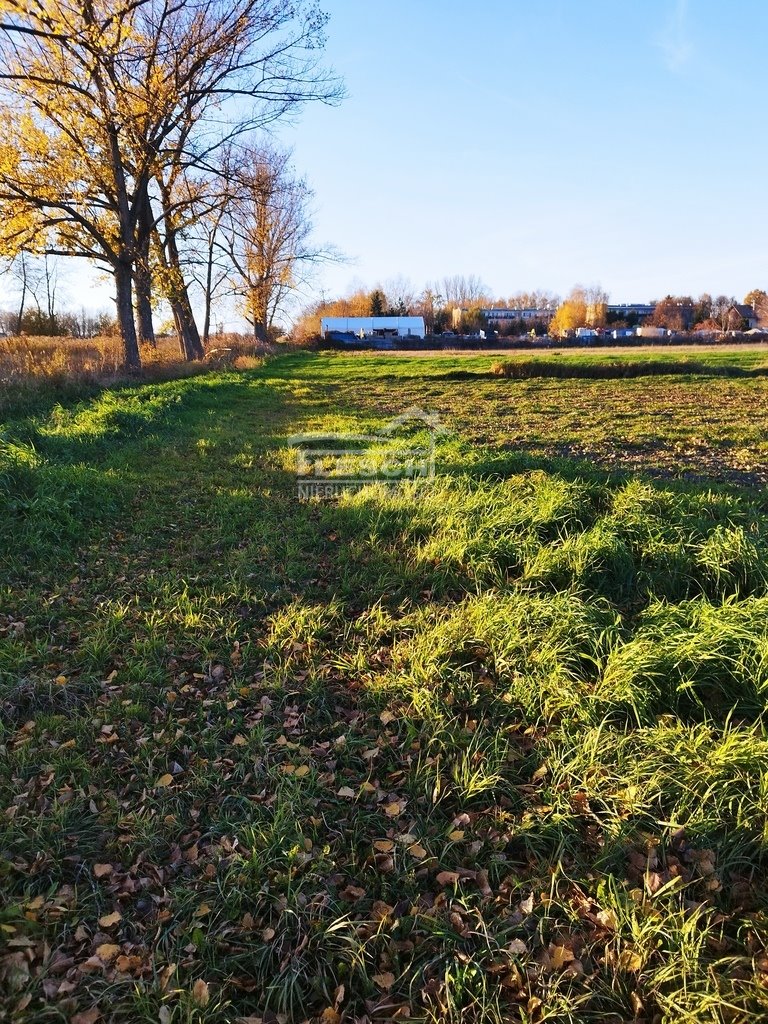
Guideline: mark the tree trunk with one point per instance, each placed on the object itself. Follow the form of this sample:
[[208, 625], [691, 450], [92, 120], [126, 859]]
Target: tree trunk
[[260, 332], [189, 336], [22, 304], [143, 278], [143, 288], [124, 290], [208, 293]]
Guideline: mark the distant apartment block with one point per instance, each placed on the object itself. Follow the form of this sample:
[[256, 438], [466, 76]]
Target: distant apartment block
[[497, 316], [624, 310]]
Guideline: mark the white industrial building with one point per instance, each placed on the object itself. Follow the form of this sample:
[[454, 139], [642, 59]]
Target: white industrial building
[[373, 326]]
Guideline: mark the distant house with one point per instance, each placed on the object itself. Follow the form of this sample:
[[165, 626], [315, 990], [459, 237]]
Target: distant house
[[362, 327], [745, 313]]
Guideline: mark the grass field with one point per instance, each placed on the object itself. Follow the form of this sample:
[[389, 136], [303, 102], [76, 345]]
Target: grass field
[[490, 748]]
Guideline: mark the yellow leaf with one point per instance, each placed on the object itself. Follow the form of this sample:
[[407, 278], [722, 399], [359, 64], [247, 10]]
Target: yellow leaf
[[629, 960], [607, 918], [202, 910], [392, 810], [200, 994], [456, 835], [239, 740], [109, 919], [386, 717], [383, 845], [560, 955], [330, 1016], [107, 951], [302, 770], [417, 851], [60, 680], [164, 780]]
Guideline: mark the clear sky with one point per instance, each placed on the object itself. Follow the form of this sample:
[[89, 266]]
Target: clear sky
[[540, 143]]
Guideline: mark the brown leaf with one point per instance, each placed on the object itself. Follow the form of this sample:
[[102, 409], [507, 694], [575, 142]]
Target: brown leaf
[[200, 993], [417, 851], [110, 919], [330, 1016], [345, 791], [87, 1016], [352, 893], [447, 877], [483, 883], [380, 910], [164, 780], [383, 845], [385, 981], [102, 870], [392, 810]]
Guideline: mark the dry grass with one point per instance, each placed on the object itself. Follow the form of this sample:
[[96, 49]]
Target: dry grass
[[25, 358], [36, 370]]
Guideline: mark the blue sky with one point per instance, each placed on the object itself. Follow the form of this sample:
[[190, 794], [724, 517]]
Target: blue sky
[[540, 143]]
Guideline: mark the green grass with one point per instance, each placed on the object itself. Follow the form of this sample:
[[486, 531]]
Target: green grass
[[488, 749]]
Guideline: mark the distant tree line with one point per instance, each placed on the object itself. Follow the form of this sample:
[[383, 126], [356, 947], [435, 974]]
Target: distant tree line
[[458, 303]]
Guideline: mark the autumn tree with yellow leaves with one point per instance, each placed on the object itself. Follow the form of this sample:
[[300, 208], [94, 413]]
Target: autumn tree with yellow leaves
[[105, 105], [583, 307]]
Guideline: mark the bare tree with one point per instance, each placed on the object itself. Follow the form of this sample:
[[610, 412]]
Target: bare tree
[[266, 231], [460, 290]]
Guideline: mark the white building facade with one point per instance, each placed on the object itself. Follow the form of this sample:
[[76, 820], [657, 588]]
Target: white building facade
[[374, 326]]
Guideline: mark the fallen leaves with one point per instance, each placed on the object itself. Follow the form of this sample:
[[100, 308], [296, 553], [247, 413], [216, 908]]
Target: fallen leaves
[[164, 780]]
